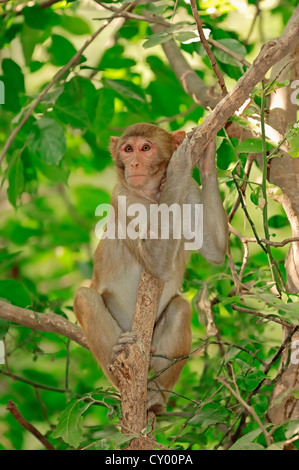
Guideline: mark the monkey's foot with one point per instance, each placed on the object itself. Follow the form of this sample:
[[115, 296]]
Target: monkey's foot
[[155, 398], [128, 337]]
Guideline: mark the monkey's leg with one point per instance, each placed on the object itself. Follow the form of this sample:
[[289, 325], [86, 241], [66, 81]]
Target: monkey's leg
[[172, 338], [101, 330]]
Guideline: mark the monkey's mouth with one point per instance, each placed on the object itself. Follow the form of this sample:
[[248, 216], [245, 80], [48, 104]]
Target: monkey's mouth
[[136, 176]]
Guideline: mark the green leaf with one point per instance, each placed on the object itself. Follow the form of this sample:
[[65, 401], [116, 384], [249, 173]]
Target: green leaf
[[61, 50], [15, 293], [126, 89], [70, 113], [70, 424], [210, 414], [250, 382], [88, 198], [119, 439], [30, 39], [16, 180], [77, 104], [291, 428], [47, 140], [234, 46], [246, 442], [4, 327], [40, 18], [75, 25], [255, 195], [104, 110], [157, 39], [294, 146], [278, 221], [250, 146], [52, 172], [113, 58], [192, 438], [13, 80], [12, 70], [186, 36]]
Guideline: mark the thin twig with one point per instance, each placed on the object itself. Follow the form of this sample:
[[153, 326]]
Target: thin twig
[[12, 407], [247, 214], [264, 317], [276, 356], [176, 116], [249, 408], [263, 240], [247, 170], [196, 351], [35, 384], [208, 49], [229, 52], [257, 12]]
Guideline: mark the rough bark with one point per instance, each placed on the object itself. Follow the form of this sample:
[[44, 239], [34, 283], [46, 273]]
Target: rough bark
[[131, 366], [284, 172]]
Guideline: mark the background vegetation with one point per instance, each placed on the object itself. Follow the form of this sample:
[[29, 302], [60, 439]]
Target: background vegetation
[[58, 169]]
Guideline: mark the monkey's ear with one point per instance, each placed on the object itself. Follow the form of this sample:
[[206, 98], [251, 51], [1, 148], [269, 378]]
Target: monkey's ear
[[113, 146], [178, 137]]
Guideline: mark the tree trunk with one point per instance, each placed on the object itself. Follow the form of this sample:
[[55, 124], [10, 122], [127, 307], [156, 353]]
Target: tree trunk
[[284, 172]]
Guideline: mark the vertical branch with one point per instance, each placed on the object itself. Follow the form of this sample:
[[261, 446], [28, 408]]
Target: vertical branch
[[131, 366]]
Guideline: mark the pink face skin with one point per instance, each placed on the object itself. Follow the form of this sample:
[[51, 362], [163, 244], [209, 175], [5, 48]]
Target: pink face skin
[[138, 154]]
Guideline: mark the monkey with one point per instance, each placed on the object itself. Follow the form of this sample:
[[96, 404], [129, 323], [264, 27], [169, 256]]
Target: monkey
[[153, 166]]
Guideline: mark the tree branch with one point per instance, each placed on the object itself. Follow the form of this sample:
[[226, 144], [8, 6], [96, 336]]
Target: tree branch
[[12, 407], [131, 366], [49, 322], [271, 52]]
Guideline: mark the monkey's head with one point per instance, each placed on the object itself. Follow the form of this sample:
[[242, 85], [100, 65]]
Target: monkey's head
[[142, 153]]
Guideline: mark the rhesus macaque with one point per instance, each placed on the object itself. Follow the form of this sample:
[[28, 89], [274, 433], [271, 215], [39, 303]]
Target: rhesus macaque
[[153, 167]]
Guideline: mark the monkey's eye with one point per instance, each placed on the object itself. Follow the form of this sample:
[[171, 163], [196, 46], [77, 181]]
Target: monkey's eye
[[146, 147], [128, 148]]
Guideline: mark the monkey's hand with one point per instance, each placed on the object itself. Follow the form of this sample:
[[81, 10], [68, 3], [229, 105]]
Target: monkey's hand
[[128, 337], [180, 163]]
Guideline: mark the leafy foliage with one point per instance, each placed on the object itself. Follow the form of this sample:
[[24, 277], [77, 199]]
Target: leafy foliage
[[58, 169]]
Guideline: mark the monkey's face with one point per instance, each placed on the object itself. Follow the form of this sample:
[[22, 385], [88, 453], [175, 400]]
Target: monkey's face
[[143, 164]]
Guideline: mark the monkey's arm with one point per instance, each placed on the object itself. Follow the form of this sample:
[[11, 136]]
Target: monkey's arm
[[215, 227], [158, 256]]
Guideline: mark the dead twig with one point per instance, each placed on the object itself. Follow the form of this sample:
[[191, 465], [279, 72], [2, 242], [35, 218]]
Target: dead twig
[[12, 408]]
